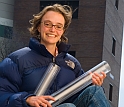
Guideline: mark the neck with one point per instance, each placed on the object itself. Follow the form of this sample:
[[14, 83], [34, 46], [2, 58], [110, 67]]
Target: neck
[[51, 49]]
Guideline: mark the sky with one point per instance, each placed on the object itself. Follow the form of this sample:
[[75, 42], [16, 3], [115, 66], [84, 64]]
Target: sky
[[121, 93]]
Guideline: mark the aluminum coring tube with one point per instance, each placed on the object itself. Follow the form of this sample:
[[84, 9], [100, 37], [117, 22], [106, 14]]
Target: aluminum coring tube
[[78, 84], [47, 80]]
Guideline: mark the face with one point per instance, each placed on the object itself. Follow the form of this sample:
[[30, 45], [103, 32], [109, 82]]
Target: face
[[51, 28]]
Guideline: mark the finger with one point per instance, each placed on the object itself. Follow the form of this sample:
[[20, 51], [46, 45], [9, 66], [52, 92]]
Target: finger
[[45, 102], [36, 104], [43, 105], [49, 98], [94, 81], [97, 79], [104, 74], [101, 76], [96, 76]]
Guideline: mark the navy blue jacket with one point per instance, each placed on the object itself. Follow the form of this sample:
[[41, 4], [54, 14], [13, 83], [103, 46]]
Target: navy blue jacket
[[22, 70]]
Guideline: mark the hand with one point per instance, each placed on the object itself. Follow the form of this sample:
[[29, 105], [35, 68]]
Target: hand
[[38, 101], [97, 79]]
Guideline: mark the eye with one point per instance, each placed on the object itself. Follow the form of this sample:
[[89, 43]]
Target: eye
[[47, 24], [59, 26]]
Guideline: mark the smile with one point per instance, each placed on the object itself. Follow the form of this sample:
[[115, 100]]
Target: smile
[[50, 35]]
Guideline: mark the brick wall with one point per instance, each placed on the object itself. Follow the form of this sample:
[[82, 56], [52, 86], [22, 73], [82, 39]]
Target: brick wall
[[86, 33], [24, 9]]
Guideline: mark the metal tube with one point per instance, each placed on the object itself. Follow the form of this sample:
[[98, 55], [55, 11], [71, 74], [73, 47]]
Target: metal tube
[[47, 79], [78, 84]]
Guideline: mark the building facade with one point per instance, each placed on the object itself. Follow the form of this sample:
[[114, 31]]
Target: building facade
[[95, 33], [6, 25]]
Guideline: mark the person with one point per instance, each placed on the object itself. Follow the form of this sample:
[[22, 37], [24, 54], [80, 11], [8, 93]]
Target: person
[[22, 70]]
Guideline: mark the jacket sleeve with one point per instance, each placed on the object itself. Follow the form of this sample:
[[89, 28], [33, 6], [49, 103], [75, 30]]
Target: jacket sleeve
[[10, 83], [78, 69]]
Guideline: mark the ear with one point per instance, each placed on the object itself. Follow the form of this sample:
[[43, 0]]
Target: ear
[[64, 31], [39, 28]]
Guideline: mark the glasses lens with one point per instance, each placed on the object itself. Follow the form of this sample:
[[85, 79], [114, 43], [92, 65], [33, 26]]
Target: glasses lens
[[59, 27], [47, 24]]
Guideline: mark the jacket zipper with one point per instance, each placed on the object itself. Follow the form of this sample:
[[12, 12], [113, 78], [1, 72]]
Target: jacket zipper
[[55, 85], [53, 60]]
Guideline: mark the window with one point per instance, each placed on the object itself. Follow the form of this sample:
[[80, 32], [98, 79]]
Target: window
[[116, 4], [72, 53], [113, 46], [1, 31], [73, 3], [6, 31], [110, 91]]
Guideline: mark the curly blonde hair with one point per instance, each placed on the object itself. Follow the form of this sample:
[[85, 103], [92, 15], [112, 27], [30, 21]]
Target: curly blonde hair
[[66, 12]]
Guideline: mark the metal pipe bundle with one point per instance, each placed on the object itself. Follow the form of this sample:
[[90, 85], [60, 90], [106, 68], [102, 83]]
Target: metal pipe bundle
[[78, 84], [47, 80]]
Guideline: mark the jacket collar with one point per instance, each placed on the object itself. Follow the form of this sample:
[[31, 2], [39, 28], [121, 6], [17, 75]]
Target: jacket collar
[[35, 45]]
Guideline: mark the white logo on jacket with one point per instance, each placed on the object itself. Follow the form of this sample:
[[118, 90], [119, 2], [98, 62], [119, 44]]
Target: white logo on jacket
[[70, 64]]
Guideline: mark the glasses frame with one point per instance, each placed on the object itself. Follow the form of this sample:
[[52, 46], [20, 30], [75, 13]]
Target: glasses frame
[[51, 25]]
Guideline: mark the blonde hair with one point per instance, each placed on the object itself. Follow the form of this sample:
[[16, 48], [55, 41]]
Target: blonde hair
[[66, 12]]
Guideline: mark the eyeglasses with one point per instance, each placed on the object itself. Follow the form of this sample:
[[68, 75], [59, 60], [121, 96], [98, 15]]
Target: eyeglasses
[[49, 24]]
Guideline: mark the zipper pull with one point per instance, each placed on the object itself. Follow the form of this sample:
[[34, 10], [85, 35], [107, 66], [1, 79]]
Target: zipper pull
[[53, 59]]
